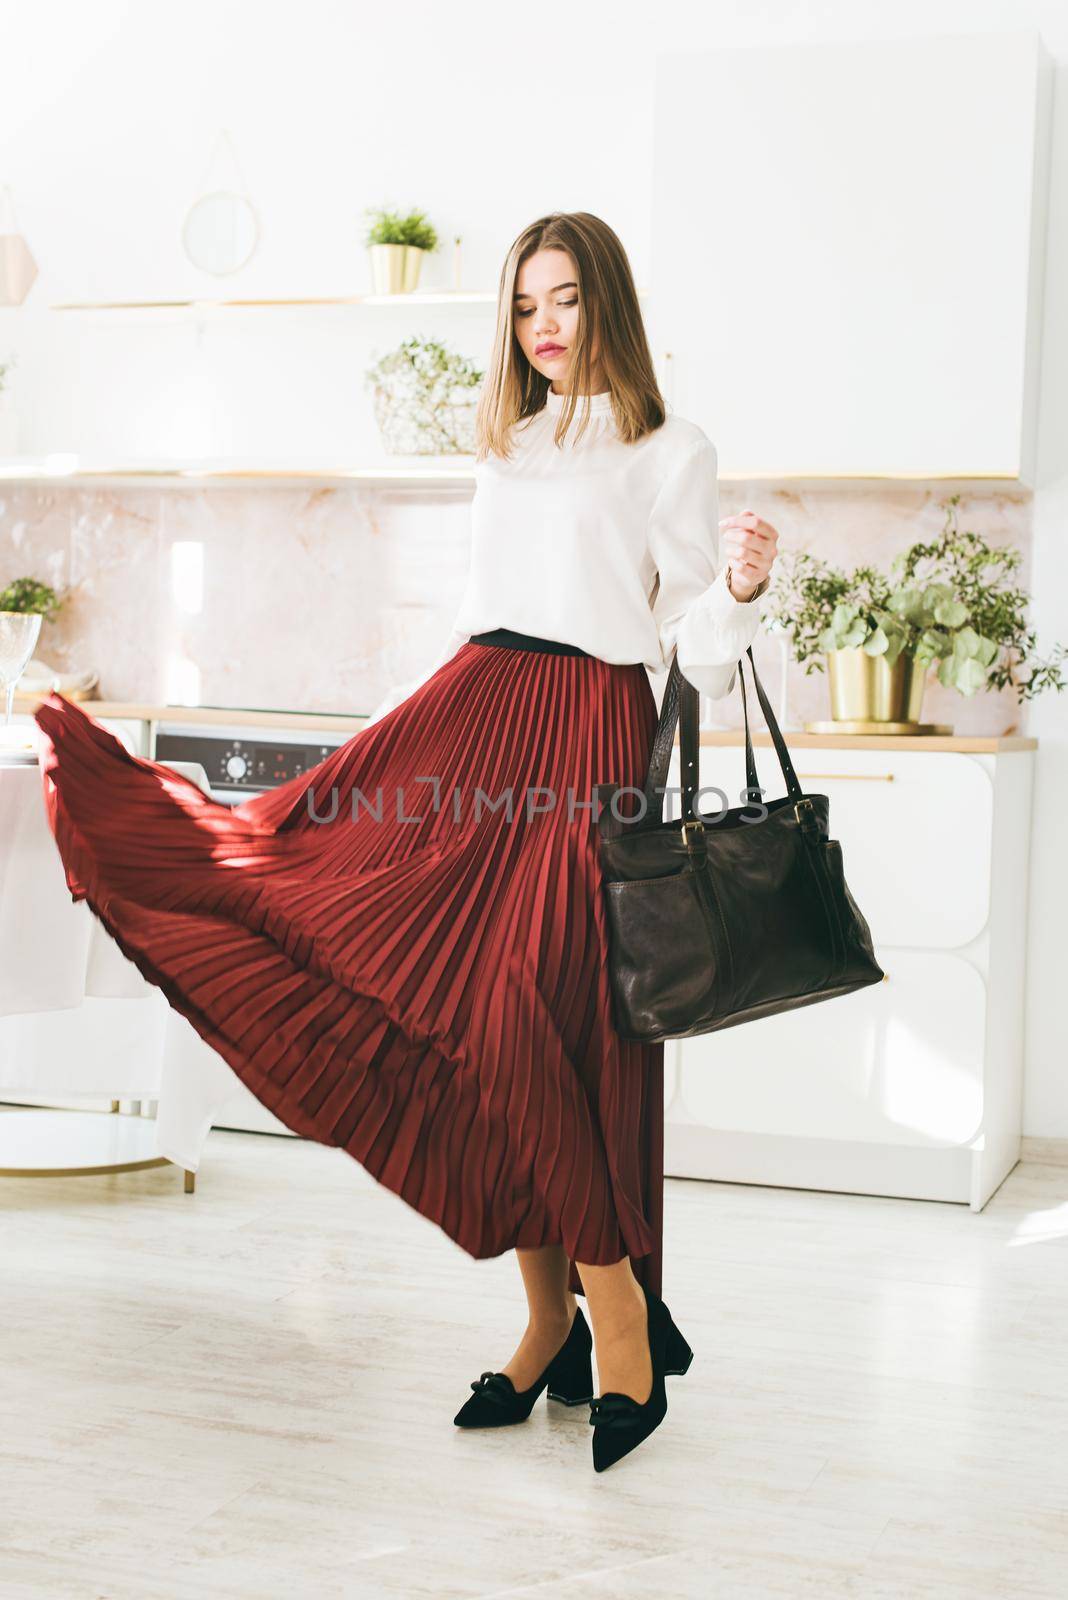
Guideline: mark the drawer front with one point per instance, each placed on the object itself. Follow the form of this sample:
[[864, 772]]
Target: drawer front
[[915, 830], [898, 1063]]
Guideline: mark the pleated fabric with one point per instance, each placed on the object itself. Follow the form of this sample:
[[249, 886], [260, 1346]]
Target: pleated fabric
[[395, 967]]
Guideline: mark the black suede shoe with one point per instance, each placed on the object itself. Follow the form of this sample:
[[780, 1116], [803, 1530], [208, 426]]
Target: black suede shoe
[[678, 1354], [569, 1377], [619, 1421]]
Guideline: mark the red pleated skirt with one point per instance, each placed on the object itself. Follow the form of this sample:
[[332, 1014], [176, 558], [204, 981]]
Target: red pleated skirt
[[394, 967]]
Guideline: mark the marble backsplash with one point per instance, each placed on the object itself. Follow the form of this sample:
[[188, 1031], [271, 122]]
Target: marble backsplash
[[322, 598]]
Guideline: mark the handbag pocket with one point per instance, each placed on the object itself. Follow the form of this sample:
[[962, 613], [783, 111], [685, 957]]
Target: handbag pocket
[[669, 961], [857, 952]]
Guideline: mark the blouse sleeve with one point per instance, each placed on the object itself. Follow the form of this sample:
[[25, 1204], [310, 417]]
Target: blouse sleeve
[[400, 692], [694, 609]]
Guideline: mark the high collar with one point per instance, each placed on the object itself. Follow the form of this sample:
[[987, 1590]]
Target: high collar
[[600, 404]]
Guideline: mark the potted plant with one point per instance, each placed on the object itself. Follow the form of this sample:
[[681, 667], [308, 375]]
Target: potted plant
[[425, 399], [951, 604], [396, 245], [32, 596], [25, 606], [9, 422]]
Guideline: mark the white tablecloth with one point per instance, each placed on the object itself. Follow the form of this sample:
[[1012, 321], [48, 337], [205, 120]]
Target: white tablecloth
[[76, 1017]]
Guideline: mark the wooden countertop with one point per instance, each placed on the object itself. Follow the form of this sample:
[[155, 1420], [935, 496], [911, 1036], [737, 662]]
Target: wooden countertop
[[339, 722], [996, 744], [207, 716]]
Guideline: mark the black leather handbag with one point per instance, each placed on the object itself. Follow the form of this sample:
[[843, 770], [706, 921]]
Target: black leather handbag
[[717, 920]]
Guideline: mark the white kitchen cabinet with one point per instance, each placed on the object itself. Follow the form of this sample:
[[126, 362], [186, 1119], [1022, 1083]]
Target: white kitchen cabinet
[[913, 1086], [847, 253], [130, 731]]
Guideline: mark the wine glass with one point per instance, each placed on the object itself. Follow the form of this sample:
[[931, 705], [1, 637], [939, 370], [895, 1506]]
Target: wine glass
[[18, 636]]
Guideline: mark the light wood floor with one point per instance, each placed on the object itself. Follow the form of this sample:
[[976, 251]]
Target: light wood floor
[[249, 1392]]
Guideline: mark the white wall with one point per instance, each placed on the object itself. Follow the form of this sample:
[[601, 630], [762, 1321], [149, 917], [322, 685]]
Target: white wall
[[333, 108], [487, 115]]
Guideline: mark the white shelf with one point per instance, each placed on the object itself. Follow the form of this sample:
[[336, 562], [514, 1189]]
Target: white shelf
[[428, 471], [71, 471], [417, 297], [52, 1143]]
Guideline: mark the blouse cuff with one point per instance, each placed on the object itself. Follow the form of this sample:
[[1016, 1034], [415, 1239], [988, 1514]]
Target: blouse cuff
[[715, 633], [761, 588], [719, 614], [400, 692]]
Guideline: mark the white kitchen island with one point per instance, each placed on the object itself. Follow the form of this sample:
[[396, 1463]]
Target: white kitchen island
[[79, 1025], [910, 1088]]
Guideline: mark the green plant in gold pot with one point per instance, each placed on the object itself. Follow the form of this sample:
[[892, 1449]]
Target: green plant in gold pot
[[952, 604], [396, 245]]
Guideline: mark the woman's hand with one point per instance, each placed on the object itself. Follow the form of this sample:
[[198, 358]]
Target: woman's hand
[[750, 545]]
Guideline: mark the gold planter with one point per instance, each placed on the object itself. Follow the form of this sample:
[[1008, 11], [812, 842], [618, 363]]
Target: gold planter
[[867, 696], [395, 267]]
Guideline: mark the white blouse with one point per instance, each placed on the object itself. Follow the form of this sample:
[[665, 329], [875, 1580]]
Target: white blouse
[[610, 546]]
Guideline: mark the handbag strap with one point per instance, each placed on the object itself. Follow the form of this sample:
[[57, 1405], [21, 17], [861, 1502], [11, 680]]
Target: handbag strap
[[680, 705]]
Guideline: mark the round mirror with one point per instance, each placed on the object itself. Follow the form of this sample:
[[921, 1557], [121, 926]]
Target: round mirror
[[220, 232]]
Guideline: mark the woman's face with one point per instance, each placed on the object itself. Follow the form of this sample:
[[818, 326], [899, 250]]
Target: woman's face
[[546, 314]]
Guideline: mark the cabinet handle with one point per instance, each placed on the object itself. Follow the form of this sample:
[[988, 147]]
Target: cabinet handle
[[856, 777]]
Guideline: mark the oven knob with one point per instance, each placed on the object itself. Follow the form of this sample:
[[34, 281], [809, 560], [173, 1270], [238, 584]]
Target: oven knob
[[236, 767]]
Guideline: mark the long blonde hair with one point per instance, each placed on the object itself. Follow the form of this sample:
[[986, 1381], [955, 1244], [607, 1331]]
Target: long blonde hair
[[608, 311]]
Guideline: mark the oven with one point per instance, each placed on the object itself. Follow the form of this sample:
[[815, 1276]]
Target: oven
[[242, 759]]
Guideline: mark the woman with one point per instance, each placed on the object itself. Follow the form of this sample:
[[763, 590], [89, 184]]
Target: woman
[[400, 968]]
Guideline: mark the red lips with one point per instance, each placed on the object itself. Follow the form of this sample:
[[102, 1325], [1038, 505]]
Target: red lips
[[547, 349]]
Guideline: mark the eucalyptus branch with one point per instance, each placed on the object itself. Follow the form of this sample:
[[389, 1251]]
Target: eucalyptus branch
[[953, 602]]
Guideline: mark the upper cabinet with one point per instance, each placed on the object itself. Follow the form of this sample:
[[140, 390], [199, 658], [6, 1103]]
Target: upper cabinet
[[847, 253]]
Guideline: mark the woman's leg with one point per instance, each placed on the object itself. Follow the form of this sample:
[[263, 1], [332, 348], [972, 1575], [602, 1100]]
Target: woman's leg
[[620, 1329], [551, 1308]]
